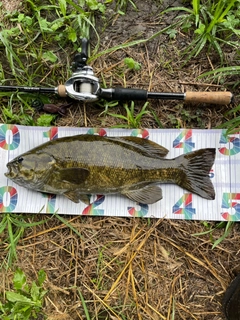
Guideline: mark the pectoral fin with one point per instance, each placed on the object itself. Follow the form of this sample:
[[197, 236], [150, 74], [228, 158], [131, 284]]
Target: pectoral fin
[[147, 195], [73, 176], [76, 197]]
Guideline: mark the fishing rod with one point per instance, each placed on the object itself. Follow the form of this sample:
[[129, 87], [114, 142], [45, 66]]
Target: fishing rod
[[83, 85]]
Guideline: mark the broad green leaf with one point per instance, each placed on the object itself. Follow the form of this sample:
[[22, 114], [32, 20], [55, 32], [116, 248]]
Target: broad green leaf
[[19, 279], [57, 24], [50, 56], [1, 307], [44, 25], [72, 35], [117, 116], [45, 120], [21, 310], [28, 20], [63, 7], [35, 290], [21, 17], [101, 8], [132, 64], [93, 4], [41, 276], [201, 29], [17, 297], [42, 294]]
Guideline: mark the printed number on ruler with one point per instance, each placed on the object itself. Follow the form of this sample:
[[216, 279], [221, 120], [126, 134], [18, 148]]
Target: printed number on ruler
[[92, 209], [51, 134], [233, 144], [143, 133], [184, 140], [141, 212], [9, 137], [97, 131], [231, 202], [9, 140], [8, 199], [184, 206], [51, 202]]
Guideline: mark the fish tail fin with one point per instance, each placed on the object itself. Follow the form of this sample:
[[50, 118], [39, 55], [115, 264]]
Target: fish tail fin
[[196, 166]]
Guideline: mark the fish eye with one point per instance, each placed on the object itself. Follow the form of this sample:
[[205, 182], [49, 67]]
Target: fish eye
[[20, 159]]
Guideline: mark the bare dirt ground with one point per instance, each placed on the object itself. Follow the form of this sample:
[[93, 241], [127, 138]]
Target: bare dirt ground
[[10, 5], [136, 268]]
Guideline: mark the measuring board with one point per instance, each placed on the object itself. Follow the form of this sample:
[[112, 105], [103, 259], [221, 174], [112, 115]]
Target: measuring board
[[177, 203]]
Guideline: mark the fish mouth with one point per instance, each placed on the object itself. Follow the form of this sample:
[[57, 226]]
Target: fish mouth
[[10, 173]]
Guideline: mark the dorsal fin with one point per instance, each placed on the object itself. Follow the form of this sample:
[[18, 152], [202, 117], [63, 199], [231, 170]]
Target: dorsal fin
[[147, 147]]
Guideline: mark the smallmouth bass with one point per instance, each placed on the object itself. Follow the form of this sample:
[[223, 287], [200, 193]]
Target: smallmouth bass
[[80, 165]]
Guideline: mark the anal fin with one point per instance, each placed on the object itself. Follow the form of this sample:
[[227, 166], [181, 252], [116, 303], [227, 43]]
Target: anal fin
[[76, 197], [147, 195]]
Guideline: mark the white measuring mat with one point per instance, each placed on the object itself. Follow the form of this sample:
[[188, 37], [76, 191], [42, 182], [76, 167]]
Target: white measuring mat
[[177, 203]]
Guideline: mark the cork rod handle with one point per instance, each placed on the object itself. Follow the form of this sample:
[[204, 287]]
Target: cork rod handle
[[209, 97]]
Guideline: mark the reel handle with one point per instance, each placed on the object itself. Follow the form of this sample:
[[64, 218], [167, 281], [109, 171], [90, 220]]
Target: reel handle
[[84, 49], [80, 59]]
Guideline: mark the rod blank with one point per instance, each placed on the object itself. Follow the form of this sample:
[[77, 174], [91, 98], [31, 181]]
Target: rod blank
[[27, 89]]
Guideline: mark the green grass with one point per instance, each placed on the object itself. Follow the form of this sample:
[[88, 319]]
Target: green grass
[[227, 226], [223, 73], [84, 305], [13, 227], [133, 120], [213, 23]]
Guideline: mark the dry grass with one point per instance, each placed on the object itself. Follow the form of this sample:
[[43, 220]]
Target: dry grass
[[128, 268]]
